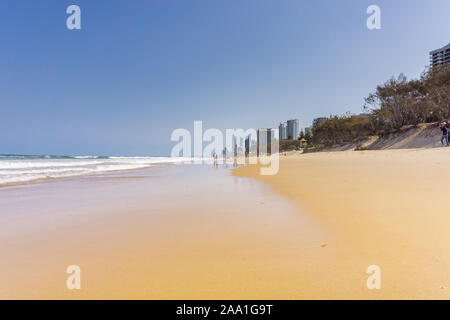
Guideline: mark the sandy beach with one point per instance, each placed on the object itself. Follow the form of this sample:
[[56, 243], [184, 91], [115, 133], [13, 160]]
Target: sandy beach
[[136, 153], [200, 232], [166, 232], [386, 208]]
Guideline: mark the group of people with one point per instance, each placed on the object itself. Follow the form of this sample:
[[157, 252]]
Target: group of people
[[445, 128]]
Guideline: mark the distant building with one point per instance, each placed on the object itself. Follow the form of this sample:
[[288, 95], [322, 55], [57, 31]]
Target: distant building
[[266, 134], [293, 129], [250, 146], [440, 56], [316, 121], [282, 131], [237, 145], [265, 137]]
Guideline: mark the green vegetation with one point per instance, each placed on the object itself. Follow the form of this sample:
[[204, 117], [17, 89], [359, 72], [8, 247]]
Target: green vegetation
[[397, 103], [289, 145], [307, 135]]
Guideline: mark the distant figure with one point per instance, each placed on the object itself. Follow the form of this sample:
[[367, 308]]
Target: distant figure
[[444, 129], [215, 159]]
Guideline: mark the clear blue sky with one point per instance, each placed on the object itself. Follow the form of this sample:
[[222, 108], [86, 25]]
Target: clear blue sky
[[139, 69]]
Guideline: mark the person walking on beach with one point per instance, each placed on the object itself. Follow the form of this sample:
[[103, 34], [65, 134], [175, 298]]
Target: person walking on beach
[[215, 159], [445, 130]]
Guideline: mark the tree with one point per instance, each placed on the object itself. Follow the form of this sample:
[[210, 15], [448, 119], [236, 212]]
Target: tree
[[302, 135], [308, 135], [437, 84], [396, 103]]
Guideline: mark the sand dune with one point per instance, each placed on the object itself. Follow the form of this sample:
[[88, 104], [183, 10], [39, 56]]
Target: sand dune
[[424, 135]]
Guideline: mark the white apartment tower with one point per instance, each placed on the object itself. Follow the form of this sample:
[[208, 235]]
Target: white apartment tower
[[440, 56]]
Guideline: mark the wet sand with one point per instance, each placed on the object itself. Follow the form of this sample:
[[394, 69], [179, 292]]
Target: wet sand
[[385, 208], [168, 232]]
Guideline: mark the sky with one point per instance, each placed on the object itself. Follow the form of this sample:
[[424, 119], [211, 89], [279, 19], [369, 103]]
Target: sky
[[137, 70]]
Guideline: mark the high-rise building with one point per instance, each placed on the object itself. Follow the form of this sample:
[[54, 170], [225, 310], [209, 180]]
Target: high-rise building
[[440, 56], [282, 131], [293, 129], [265, 137], [266, 134], [250, 146], [247, 145]]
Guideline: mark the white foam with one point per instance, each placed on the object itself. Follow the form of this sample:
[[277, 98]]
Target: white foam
[[16, 171]]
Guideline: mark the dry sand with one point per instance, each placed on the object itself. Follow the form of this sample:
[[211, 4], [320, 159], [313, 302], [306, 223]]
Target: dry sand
[[386, 208]]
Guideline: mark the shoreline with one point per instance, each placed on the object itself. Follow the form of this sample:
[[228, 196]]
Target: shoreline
[[100, 174], [23, 170], [381, 208]]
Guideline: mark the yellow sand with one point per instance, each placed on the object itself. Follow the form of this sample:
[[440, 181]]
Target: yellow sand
[[189, 232], [387, 208], [175, 232]]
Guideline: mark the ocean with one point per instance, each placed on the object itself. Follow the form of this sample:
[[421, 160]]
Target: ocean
[[25, 168]]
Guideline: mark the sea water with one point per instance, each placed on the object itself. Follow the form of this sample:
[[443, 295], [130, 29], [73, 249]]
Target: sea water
[[24, 168]]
